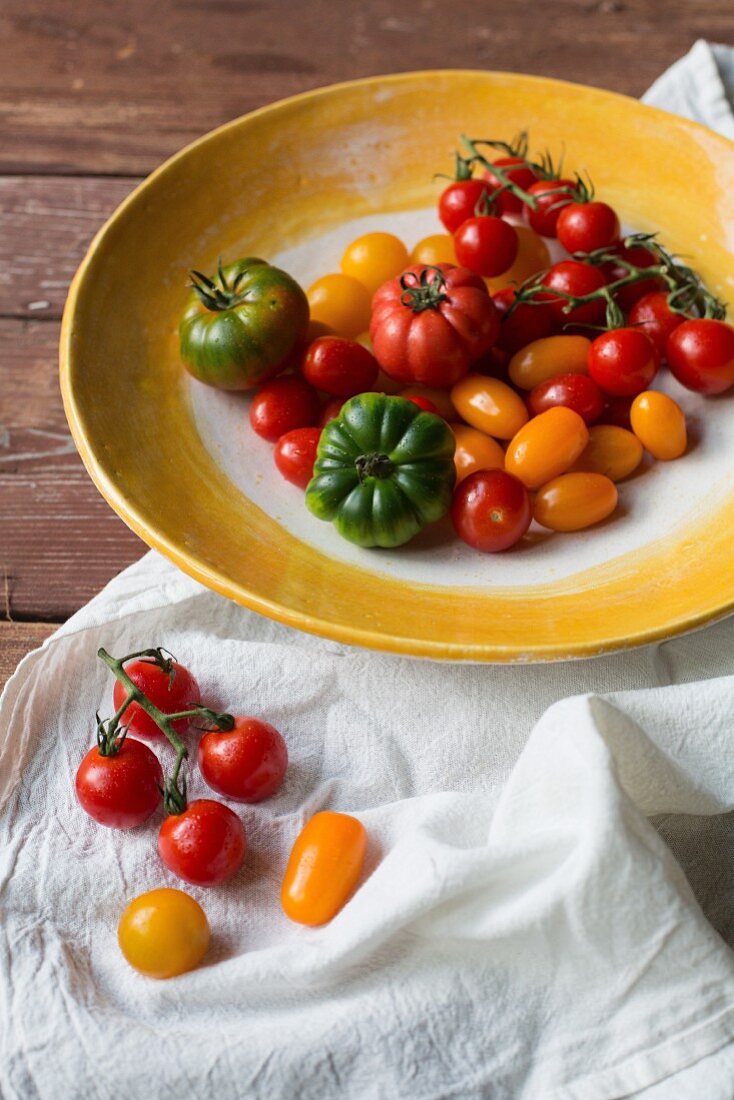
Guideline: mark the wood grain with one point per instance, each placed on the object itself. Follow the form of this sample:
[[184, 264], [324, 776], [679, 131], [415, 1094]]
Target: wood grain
[[17, 639]]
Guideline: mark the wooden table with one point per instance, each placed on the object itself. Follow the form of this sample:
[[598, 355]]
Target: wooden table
[[96, 93]]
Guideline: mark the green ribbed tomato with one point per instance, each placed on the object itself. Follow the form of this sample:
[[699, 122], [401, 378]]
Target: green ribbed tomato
[[241, 327], [384, 469]]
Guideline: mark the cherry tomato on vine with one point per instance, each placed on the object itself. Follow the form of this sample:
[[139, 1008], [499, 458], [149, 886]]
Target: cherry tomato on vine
[[246, 763], [640, 257], [342, 368], [623, 361], [532, 256], [525, 324], [551, 197], [459, 202], [169, 693], [123, 789], [701, 355], [577, 279], [491, 510], [295, 454], [586, 226], [204, 845], [374, 258], [547, 446], [324, 867], [574, 501], [486, 245], [438, 248], [163, 933], [653, 316], [522, 175], [284, 404], [659, 424], [475, 451], [341, 302], [576, 391]]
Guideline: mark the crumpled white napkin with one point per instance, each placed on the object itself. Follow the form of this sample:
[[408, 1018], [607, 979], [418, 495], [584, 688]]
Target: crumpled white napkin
[[522, 930]]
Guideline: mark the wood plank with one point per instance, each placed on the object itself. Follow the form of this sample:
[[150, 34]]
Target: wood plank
[[114, 88], [17, 639]]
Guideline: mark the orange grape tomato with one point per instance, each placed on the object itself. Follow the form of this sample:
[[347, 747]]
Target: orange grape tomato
[[341, 303], [574, 501], [440, 398], [475, 451], [660, 424], [324, 867], [163, 933], [544, 359], [374, 258], [546, 446], [611, 451], [489, 405], [436, 249], [532, 256]]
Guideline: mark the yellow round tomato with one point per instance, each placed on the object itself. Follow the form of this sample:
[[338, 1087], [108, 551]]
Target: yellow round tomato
[[660, 424], [375, 258], [341, 303], [532, 256], [574, 501], [475, 451], [489, 405], [436, 249], [611, 451], [546, 358], [546, 446], [163, 933]]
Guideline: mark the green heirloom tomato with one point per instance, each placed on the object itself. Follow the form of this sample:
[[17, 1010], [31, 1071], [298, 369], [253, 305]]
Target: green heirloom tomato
[[240, 327], [384, 469]]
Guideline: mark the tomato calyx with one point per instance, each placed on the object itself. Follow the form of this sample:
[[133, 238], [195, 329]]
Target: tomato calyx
[[218, 294], [420, 294], [373, 465]]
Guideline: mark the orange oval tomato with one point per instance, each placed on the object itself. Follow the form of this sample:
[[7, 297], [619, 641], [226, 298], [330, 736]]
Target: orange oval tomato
[[475, 451], [660, 424], [163, 933], [546, 446], [489, 405], [440, 398], [545, 358], [612, 451], [574, 501], [436, 249], [341, 303], [374, 258], [532, 256], [324, 867]]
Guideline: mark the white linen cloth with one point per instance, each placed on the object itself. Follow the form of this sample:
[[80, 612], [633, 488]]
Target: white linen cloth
[[522, 930]]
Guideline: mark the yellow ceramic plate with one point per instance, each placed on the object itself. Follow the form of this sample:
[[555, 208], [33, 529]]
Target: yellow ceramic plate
[[294, 181]]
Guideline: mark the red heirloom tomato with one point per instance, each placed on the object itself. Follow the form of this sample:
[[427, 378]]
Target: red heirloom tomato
[[203, 845], [578, 279], [585, 226], [486, 245], [623, 361], [282, 405], [121, 790], [169, 693], [640, 257], [459, 201], [340, 367], [523, 176], [653, 315], [524, 325], [491, 510], [701, 355], [246, 763], [551, 196], [295, 454], [430, 324], [575, 391]]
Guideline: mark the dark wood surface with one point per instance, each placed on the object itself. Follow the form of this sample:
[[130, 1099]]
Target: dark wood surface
[[96, 93]]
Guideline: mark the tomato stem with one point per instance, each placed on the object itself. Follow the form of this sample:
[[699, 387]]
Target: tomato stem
[[502, 173], [419, 293]]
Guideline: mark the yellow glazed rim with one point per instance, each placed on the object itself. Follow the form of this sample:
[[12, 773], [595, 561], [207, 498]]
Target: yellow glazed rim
[[128, 407]]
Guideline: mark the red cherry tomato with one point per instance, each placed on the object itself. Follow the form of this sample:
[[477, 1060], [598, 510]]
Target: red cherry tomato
[[459, 201], [340, 367], [523, 176], [486, 245], [578, 279], [284, 404], [653, 315], [330, 410], [551, 196], [623, 361], [168, 694], [640, 257], [432, 323], [585, 226], [491, 510], [295, 454], [205, 845], [524, 325], [122, 790], [574, 391], [246, 763], [617, 411], [423, 403], [701, 355]]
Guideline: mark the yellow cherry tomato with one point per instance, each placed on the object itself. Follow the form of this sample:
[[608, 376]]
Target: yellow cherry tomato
[[574, 501], [475, 451], [163, 933], [544, 359], [611, 451], [341, 303], [659, 424], [436, 249], [532, 256], [489, 405], [546, 446], [375, 258], [324, 867], [440, 398]]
